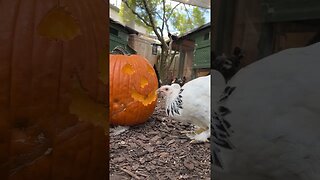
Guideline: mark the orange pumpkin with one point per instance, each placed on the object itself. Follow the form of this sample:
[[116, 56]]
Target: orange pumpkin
[[42, 45], [133, 85]]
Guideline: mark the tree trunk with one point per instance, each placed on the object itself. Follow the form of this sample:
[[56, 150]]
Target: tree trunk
[[164, 65]]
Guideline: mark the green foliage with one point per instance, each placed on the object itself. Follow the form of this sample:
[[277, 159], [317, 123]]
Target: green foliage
[[177, 17], [198, 18], [184, 18], [187, 21], [127, 16]]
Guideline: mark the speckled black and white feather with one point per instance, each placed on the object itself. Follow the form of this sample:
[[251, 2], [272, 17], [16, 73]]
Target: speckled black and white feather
[[175, 107], [220, 133]]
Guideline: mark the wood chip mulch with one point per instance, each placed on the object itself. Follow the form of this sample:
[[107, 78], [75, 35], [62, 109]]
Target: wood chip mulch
[[158, 150]]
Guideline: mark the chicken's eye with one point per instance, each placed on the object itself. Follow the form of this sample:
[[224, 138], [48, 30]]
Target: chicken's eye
[[166, 89]]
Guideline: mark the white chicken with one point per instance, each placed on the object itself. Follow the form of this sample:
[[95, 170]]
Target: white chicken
[[269, 128], [191, 103]]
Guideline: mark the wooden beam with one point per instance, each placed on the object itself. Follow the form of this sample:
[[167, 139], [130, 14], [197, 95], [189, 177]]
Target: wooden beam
[[185, 45], [199, 3]]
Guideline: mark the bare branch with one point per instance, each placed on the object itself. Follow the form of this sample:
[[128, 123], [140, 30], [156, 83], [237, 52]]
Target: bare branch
[[160, 17], [160, 31], [164, 14], [167, 26], [186, 10], [171, 12], [149, 15], [153, 10], [153, 25], [166, 19], [170, 54]]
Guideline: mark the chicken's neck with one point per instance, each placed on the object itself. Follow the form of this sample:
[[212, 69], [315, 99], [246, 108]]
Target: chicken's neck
[[174, 103]]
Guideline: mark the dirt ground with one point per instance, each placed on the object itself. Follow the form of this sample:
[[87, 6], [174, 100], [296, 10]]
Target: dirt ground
[[158, 150]]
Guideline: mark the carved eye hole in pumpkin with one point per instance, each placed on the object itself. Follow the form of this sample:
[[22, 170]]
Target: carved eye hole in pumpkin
[[128, 69], [143, 82], [59, 24]]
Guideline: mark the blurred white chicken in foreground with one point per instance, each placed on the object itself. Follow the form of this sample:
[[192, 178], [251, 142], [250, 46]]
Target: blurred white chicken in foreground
[[272, 128], [191, 103]]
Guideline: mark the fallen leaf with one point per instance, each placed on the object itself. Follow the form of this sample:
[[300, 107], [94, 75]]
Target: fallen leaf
[[188, 164], [164, 154], [153, 132], [118, 130], [117, 177], [142, 137], [133, 145], [119, 159], [171, 141], [135, 167], [155, 138], [142, 160], [149, 148]]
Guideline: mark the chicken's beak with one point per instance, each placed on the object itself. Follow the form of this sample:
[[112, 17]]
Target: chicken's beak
[[160, 93]]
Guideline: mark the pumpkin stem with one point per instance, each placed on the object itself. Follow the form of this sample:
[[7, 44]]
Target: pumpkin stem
[[120, 50]]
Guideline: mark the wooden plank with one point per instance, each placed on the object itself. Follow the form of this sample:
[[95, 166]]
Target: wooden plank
[[199, 3], [291, 10]]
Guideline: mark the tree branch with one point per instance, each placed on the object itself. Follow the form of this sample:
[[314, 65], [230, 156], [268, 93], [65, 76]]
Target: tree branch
[[164, 14], [137, 14], [186, 10], [171, 12], [167, 26], [154, 27], [160, 31], [170, 54], [159, 15], [166, 19]]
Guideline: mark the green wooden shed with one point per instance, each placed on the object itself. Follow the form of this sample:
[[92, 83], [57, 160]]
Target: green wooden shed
[[202, 47], [195, 43], [119, 36]]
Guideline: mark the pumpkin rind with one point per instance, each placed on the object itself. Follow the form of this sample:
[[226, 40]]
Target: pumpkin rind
[[133, 85]]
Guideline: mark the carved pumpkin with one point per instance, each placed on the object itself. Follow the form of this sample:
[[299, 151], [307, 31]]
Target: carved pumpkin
[[43, 44], [133, 85]]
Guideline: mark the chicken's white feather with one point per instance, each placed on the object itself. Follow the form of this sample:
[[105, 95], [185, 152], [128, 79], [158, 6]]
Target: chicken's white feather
[[191, 103], [275, 115]]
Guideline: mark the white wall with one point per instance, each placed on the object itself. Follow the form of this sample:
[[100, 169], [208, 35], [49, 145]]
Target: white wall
[[143, 46]]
